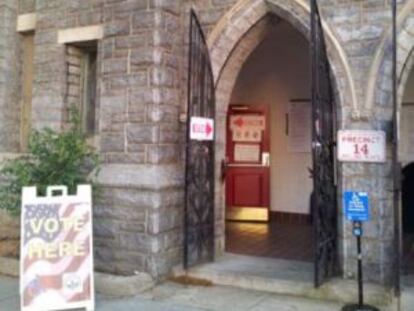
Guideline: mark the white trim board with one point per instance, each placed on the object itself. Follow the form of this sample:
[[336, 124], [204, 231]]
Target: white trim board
[[26, 22], [80, 34]]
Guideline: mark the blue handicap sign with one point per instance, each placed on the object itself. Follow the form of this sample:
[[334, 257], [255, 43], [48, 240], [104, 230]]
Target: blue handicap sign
[[356, 205]]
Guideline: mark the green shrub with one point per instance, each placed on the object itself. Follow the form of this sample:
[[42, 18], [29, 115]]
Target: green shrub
[[53, 159]]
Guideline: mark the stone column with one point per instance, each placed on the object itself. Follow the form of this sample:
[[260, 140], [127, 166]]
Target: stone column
[[139, 219]]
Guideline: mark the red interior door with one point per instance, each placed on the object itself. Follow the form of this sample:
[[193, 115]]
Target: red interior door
[[247, 160]]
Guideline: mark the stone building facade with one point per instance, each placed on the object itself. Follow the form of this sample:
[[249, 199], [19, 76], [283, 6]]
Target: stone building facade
[[141, 55]]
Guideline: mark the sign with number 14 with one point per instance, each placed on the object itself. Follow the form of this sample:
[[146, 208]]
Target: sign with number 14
[[361, 146]]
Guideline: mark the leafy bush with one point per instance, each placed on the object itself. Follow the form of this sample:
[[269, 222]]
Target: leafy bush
[[53, 159]]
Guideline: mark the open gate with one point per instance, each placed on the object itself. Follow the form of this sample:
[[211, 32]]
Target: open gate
[[324, 204], [199, 196]]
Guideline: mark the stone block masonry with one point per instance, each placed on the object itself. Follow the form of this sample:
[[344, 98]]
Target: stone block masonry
[[139, 114], [9, 78], [142, 70]]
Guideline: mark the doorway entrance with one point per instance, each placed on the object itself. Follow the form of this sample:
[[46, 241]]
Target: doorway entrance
[[317, 170], [407, 159], [268, 151]]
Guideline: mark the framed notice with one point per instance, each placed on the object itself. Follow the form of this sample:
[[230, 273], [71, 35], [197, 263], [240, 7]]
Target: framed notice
[[246, 153], [299, 127], [56, 266]]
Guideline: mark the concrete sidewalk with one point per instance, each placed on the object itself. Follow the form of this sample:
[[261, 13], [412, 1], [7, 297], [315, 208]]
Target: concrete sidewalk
[[175, 297]]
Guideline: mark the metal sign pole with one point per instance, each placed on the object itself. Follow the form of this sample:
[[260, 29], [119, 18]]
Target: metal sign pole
[[357, 231], [357, 210]]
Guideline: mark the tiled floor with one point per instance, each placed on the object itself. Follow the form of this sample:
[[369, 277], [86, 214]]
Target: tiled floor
[[274, 240]]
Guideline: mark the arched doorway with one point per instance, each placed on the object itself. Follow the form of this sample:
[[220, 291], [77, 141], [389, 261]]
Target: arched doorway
[[268, 204], [245, 30], [406, 154], [235, 37], [232, 42]]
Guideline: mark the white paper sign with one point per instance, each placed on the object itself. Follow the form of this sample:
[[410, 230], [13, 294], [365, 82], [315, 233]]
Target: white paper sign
[[246, 153], [361, 146], [201, 128], [56, 265], [300, 131]]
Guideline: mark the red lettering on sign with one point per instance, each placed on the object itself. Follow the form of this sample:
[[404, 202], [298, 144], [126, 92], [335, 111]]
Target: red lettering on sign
[[209, 129]]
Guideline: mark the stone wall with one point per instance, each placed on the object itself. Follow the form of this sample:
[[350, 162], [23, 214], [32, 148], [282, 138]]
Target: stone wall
[[140, 135], [142, 91], [9, 235], [27, 6], [138, 222], [9, 78], [357, 43]]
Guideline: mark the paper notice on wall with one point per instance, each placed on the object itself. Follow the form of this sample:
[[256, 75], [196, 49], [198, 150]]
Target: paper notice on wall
[[300, 127], [246, 153]]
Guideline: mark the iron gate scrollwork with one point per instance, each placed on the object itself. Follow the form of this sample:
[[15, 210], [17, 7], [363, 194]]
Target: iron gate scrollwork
[[324, 204], [199, 196]]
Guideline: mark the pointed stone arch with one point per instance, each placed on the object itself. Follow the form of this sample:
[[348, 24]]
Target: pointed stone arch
[[379, 92], [224, 42], [234, 38]]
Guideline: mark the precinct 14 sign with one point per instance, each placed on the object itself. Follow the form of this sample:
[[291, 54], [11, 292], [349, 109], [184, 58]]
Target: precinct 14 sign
[[356, 206], [56, 266], [201, 128], [361, 146]]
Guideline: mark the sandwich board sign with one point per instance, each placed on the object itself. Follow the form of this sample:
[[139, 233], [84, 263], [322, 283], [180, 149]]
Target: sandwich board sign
[[56, 255]]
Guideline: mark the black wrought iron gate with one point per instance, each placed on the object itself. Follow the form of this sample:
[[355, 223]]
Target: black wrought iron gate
[[324, 205], [199, 196]]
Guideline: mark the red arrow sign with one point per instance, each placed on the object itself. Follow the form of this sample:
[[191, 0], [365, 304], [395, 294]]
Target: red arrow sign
[[201, 128], [239, 122], [209, 129]]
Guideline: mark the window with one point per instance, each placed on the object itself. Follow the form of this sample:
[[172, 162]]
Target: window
[[82, 77]]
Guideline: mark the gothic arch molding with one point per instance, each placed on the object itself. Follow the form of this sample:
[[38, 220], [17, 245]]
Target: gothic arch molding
[[379, 89], [231, 42], [245, 14]]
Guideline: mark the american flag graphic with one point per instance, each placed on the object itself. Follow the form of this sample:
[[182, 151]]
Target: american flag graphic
[[59, 278]]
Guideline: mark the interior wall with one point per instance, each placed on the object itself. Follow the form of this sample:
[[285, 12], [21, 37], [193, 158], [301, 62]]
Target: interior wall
[[407, 123], [276, 73]]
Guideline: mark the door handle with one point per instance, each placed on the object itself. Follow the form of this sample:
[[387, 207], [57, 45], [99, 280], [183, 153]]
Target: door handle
[[224, 167]]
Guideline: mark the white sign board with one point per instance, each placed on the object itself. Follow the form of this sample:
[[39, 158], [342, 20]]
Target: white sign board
[[246, 153], [247, 127], [56, 262], [361, 146], [300, 128], [201, 128]]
